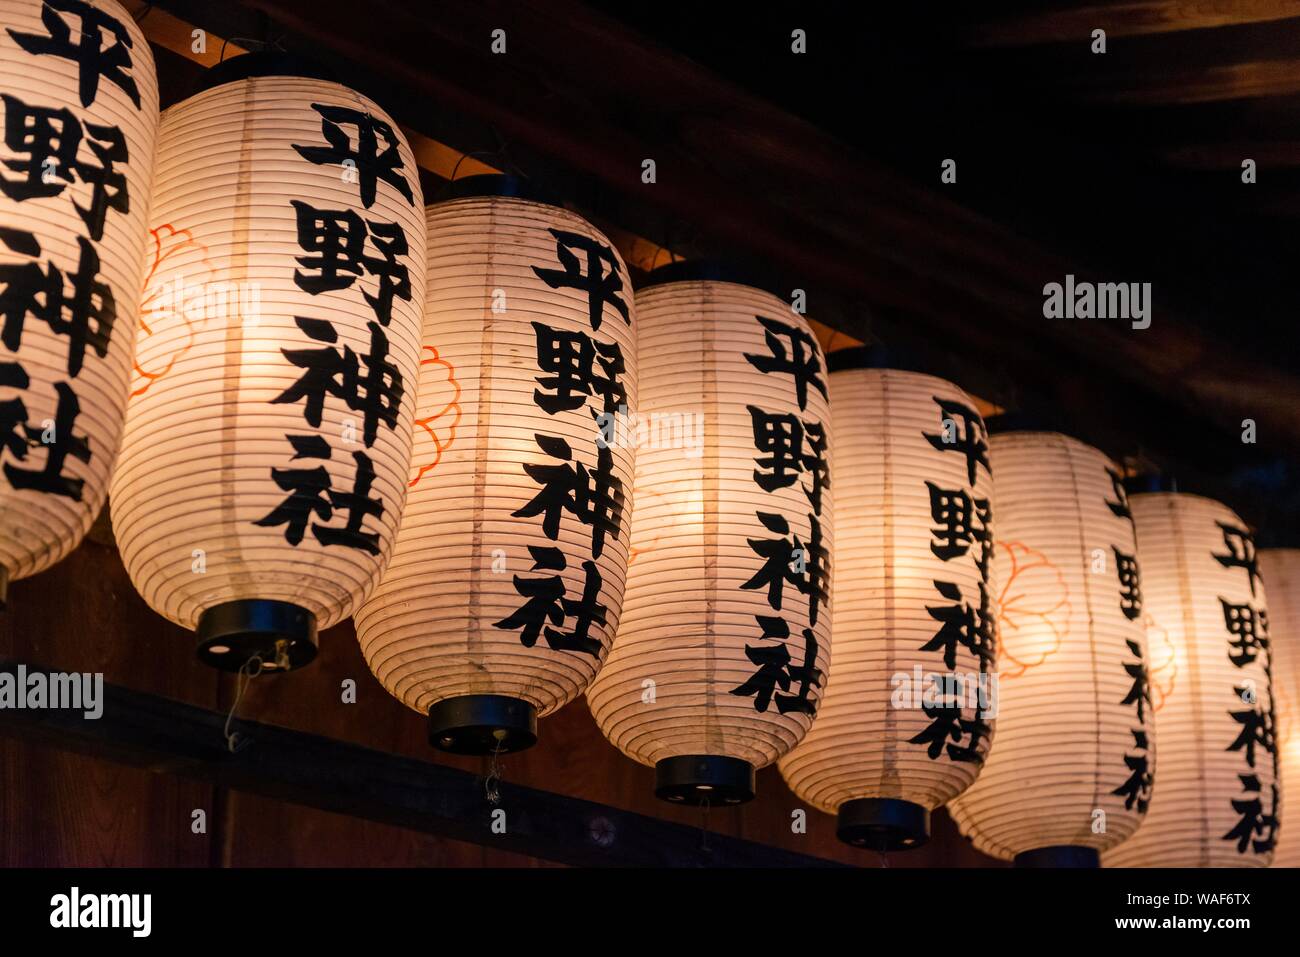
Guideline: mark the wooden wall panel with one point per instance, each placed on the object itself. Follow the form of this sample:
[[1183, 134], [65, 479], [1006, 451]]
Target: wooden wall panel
[[62, 809]]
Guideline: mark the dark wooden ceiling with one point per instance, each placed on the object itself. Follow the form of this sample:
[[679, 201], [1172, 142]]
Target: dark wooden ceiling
[[823, 170]]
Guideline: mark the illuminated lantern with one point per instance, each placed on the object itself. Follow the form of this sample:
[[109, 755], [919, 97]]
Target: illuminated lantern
[[1280, 567], [1216, 799], [80, 117], [904, 724], [268, 437], [1070, 773], [507, 579], [720, 661]]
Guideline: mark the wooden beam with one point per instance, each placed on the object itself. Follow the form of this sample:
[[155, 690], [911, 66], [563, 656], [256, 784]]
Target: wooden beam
[[146, 731], [1137, 18]]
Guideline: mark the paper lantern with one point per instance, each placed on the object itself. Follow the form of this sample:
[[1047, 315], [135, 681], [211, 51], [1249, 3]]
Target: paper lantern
[[268, 437], [905, 722], [507, 579], [80, 117], [1071, 772], [1280, 567], [720, 660], [1216, 801]]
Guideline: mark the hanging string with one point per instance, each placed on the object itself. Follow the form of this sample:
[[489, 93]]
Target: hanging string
[[491, 784], [704, 826], [250, 669]]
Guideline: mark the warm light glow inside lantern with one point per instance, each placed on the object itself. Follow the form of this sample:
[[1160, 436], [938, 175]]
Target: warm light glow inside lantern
[[268, 437], [507, 580], [1070, 773], [904, 724], [1280, 567], [1215, 802], [80, 118], [720, 661]]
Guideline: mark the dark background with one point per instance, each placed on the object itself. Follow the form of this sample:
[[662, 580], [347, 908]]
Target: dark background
[[821, 172]]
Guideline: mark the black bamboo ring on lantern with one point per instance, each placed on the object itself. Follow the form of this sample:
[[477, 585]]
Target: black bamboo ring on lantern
[[1060, 855], [269, 63], [883, 824], [281, 634], [701, 779], [498, 184], [712, 270], [482, 724]]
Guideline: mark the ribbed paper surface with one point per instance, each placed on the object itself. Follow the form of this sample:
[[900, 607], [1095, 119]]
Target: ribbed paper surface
[[1075, 750], [680, 680], [1280, 567], [868, 740], [1215, 780], [444, 621], [57, 308], [205, 437]]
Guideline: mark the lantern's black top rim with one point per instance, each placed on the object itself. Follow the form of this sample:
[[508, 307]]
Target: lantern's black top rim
[[1019, 421], [271, 63], [700, 779], [498, 184], [879, 356], [883, 824], [711, 270], [1151, 482], [1059, 855]]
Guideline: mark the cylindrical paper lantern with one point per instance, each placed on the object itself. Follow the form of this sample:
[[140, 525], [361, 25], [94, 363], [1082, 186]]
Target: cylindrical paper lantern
[[1280, 567], [507, 579], [1216, 801], [904, 724], [1071, 772], [719, 664], [80, 119], [268, 437]]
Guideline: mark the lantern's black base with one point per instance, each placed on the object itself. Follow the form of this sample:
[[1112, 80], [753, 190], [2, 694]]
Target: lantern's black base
[[281, 634], [482, 724], [4, 587], [701, 779], [883, 824], [1059, 855]]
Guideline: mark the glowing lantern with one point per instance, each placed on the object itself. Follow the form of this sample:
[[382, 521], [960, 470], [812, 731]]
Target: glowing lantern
[[1216, 801], [507, 579], [80, 117], [719, 663], [1280, 567], [905, 721], [264, 462], [1071, 771]]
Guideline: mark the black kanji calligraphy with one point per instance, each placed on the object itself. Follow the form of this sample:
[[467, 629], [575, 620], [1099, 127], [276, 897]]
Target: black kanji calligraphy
[[369, 384], [94, 60], [595, 498], [375, 158], [85, 313], [602, 285], [961, 430], [799, 360], [576, 366]]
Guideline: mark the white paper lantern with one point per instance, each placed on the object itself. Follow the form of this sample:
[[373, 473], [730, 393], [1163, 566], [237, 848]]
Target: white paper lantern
[[79, 113], [507, 579], [719, 663], [1216, 800], [264, 462], [903, 725], [1071, 772], [1280, 567]]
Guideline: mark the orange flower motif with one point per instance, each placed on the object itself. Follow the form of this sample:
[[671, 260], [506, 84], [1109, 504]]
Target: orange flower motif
[[1030, 572], [440, 425], [1162, 667], [156, 302]]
